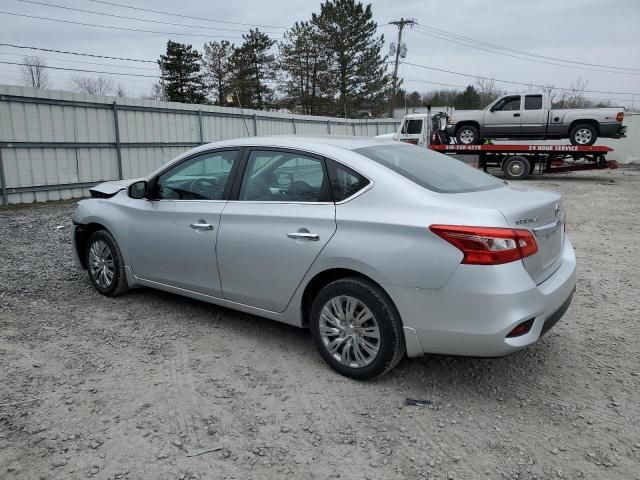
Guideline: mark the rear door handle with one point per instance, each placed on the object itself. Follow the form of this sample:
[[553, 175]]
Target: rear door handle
[[314, 237], [516, 114], [201, 225]]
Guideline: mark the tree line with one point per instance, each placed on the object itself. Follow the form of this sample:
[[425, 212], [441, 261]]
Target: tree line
[[329, 64]]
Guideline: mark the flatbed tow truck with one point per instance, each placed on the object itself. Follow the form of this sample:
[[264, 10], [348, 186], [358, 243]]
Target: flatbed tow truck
[[517, 161]]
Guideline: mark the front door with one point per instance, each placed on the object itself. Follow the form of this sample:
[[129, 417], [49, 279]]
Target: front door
[[503, 119], [175, 232], [274, 227]]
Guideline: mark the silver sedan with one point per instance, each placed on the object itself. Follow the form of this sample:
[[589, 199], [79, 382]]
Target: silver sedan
[[380, 248]]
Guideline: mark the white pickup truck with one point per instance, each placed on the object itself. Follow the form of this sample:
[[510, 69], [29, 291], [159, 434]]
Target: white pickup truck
[[530, 116]]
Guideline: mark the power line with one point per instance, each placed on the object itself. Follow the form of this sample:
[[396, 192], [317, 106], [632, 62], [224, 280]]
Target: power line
[[66, 52], [130, 18], [174, 14], [85, 71], [521, 52], [81, 62], [488, 49], [526, 84], [115, 28]]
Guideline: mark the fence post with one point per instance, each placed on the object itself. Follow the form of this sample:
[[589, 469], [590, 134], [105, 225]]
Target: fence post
[[329, 127], [255, 124], [295, 130], [117, 130], [3, 182], [377, 128], [354, 129], [200, 127]]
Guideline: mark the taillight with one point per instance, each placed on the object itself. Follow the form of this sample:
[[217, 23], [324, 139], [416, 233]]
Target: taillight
[[488, 245], [620, 116]]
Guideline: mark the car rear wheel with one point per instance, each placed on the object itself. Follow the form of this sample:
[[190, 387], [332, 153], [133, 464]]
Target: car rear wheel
[[583, 134], [516, 168], [356, 328], [468, 135], [105, 264]]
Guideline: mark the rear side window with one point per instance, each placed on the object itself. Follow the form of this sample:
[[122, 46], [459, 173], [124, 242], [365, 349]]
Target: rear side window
[[344, 182], [533, 102], [431, 170]]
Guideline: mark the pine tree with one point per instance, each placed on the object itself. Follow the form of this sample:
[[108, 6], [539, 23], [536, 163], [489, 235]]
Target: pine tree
[[180, 74], [253, 67], [358, 70], [468, 100], [218, 69], [304, 65]]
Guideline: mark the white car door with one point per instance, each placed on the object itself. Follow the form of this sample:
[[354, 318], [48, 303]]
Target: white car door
[[276, 223]]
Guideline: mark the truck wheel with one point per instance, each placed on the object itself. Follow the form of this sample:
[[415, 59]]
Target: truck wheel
[[583, 134], [468, 135], [516, 168]]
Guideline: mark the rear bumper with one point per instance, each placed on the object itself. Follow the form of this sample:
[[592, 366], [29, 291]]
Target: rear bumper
[[473, 314], [613, 130]]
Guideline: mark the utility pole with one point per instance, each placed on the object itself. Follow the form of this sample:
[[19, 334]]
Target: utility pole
[[400, 24]]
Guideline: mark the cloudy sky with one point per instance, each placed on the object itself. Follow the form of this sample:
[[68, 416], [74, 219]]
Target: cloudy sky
[[543, 38]]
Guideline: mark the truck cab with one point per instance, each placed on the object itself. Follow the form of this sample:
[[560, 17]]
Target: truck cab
[[413, 129]]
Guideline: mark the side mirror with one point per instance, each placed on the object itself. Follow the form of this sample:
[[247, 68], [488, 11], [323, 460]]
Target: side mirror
[[138, 190], [492, 109]]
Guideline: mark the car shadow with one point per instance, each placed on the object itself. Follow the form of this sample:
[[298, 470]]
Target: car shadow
[[429, 376]]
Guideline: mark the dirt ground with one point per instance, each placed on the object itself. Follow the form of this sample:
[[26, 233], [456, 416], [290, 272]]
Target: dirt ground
[[154, 386]]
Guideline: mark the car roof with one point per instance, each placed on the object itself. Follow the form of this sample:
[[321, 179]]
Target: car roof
[[303, 142]]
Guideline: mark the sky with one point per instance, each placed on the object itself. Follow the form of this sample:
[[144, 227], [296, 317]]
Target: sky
[[597, 32]]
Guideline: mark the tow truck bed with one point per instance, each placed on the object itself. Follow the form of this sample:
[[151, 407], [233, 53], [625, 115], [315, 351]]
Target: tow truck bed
[[520, 161]]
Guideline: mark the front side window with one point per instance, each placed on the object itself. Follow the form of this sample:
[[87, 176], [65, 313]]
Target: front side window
[[533, 102], [344, 181], [203, 177], [508, 104], [277, 176], [431, 170]]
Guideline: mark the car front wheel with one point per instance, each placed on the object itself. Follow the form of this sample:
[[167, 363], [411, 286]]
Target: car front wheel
[[356, 328], [468, 135], [105, 264]]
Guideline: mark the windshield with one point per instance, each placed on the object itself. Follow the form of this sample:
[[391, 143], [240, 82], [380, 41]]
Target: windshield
[[431, 170]]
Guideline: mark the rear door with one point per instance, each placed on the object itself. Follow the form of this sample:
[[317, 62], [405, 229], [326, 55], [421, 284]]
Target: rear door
[[534, 118], [504, 118], [280, 216]]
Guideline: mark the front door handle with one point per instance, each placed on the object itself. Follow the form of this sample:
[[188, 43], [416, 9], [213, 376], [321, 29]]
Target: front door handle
[[314, 237], [516, 114], [201, 225]]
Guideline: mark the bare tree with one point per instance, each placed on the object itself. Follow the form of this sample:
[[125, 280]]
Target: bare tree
[[120, 91], [157, 92], [550, 91], [487, 90], [34, 72], [94, 86], [573, 97]]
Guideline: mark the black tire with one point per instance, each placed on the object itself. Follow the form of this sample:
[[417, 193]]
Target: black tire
[[583, 134], [117, 285], [391, 346], [468, 135], [516, 168]]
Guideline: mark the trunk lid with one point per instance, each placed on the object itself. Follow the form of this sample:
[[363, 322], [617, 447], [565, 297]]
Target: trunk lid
[[538, 211]]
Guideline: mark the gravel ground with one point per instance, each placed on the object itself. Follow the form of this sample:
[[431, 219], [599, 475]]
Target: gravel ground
[[155, 386]]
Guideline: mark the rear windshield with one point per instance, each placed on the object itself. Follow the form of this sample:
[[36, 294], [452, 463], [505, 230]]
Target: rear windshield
[[431, 170]]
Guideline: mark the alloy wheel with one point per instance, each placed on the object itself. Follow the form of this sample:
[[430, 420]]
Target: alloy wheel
[[467, 137], [583, 136]]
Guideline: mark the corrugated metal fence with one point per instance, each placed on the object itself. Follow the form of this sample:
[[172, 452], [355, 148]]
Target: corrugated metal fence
[[54, 145]]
